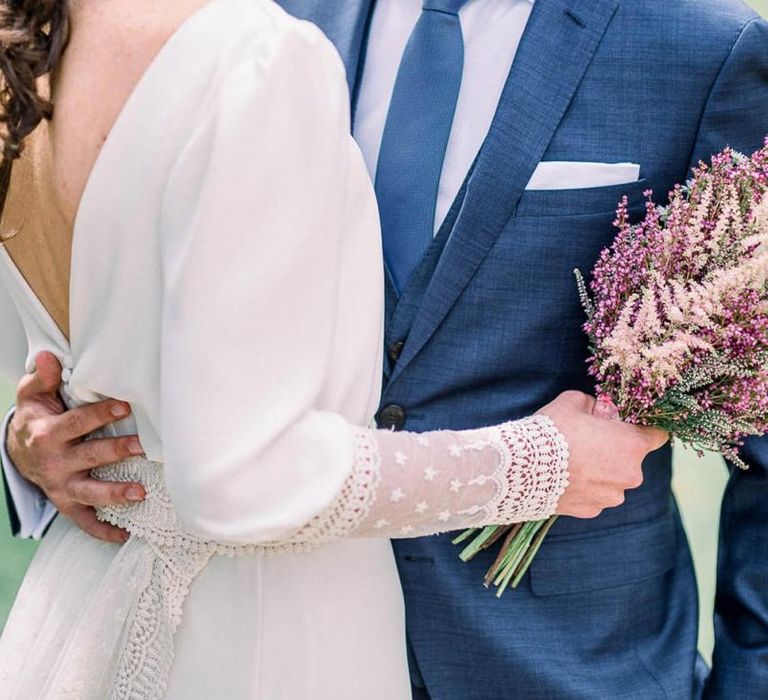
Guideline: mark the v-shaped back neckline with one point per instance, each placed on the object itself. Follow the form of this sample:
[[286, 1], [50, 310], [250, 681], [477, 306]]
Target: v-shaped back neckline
[[40, 312]]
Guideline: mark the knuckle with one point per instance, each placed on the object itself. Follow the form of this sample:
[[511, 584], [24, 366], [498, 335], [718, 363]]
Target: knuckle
[[75, 423], [75, 493], [90, 528], [588, 511], [655, 440], [120, 449], [102, 412], [117, 495], [89, 492], [24, 387], [90, 455], [645, 443], [36, 436], [47, 470], [573, 397], [104, 532], [65, 508], [635, 478], [88, 523]]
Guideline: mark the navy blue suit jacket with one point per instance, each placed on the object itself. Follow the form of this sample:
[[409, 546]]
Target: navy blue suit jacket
[[492, 331]]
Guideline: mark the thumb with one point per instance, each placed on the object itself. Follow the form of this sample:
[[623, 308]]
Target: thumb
[[46, 378]]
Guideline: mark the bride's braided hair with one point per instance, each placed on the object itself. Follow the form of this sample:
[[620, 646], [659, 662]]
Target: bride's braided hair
[[33, 36]]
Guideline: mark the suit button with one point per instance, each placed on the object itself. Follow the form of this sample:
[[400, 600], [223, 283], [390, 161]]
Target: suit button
[[395, 350], [392, 417]]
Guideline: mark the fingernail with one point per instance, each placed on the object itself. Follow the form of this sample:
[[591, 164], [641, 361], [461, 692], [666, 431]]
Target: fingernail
[[134, 493], [124, 537], [134, 447], [120, 410], [609, 408]]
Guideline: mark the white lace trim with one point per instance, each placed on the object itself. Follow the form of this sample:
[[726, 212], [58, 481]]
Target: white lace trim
[[147, 651], [353, 505], [533, 472], [511, 473], [146, 654]]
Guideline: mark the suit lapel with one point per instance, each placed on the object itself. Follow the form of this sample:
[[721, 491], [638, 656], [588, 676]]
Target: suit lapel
[[346, 23], [556, 49]]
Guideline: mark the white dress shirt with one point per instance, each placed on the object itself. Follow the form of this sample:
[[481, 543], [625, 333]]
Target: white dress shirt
[[492, 31]]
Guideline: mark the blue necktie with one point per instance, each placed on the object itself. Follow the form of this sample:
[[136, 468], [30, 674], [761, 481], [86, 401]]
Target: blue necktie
[[416, 136]]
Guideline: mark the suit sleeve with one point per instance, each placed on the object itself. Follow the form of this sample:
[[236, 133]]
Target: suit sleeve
[[737, 115]]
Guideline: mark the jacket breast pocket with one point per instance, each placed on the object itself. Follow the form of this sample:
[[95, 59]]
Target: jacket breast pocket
[[616, 557], [580, 202]]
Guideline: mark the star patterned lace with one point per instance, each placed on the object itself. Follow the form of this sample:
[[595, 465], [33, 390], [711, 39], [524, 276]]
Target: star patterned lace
[[400, 485], [407, 484]]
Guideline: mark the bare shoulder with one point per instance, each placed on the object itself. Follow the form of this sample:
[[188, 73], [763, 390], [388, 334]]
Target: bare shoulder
[[130, 33], [112, 44]]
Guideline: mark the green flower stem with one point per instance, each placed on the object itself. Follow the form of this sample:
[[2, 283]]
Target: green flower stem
[[465, 535], [516, 554], [501, 531], [478, 543], [511, 533], [546, 526]]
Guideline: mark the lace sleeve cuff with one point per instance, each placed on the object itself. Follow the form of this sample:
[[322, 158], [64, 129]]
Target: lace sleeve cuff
[[536, 470], [407, 485]]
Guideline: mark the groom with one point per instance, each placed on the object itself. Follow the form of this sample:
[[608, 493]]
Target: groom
[[501, 134]]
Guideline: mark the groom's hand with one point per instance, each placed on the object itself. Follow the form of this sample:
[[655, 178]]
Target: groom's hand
[[47, 446], [606, 455]]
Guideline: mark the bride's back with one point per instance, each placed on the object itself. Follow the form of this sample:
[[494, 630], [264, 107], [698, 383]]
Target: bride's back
[[111, 44]]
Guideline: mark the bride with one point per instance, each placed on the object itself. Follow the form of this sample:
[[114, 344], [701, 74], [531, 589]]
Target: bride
[[197, 205]]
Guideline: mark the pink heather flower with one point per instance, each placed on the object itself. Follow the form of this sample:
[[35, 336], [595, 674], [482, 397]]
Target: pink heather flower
[[678, 307]]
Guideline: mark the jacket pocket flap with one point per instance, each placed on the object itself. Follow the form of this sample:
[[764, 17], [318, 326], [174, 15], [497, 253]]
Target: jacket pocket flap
[[611, 558]]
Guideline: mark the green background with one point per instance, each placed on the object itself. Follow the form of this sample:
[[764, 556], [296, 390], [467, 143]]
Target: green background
[[698, 484]]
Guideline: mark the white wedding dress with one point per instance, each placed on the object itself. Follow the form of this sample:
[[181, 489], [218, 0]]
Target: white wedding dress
[[227, 282]]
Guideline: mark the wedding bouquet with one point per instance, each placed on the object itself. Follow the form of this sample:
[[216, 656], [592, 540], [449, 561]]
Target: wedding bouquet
[[677, 319]]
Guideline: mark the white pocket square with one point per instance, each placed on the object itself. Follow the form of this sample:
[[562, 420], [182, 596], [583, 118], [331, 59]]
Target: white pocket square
[[572, 175]]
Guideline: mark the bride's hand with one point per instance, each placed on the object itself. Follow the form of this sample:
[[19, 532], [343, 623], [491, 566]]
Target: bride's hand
[[606, 455]]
